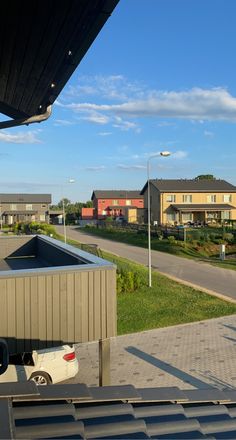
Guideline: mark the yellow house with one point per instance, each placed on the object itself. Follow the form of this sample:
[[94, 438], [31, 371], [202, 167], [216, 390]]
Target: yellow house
[[183, 200]]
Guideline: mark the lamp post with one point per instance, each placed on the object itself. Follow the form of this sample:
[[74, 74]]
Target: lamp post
[[63, 210], [164, 154]]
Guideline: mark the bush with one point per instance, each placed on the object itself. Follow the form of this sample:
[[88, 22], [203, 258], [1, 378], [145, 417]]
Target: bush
[[172, 239], [228, 236], [128, 281]]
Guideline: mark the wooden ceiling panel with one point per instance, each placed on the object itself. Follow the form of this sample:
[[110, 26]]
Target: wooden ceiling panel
[[41, 43]]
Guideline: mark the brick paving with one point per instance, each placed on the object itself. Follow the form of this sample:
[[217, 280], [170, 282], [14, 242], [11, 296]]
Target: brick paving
[[196, 355]]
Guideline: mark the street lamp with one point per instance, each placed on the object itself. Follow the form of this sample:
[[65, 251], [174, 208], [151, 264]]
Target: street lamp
[[164, 154], [63, 210]]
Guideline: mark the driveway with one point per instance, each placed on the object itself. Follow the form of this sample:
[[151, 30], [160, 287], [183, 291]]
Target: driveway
[[198, 274], [197, 355]]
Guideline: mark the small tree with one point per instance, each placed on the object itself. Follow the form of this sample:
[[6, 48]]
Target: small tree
[[205, 177]]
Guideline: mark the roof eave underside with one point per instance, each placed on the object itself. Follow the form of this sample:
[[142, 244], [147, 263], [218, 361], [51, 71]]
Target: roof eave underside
[[42, 44]]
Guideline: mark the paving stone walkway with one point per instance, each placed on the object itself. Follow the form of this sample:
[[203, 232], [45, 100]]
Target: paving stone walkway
[[189, 356]]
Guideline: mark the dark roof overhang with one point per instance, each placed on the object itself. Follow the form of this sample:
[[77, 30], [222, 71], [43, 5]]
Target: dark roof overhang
[[19, 212], [207, 207], [41, 44]]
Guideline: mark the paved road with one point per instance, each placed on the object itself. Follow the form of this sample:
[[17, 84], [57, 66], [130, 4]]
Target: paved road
[[203, 275]]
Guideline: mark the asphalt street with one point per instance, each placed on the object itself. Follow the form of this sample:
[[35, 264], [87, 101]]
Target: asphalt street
[[200, 274]]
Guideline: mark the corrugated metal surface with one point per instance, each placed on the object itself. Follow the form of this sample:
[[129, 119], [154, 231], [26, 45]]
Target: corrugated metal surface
[[74, 411], [54, 305], [46, 310]]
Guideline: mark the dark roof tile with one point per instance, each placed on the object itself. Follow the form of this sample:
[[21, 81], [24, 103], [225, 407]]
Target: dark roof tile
[[191, 185], [116, 194]]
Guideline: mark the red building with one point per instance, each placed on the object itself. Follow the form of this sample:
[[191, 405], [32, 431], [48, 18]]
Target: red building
[[109, 203], [87, 213]]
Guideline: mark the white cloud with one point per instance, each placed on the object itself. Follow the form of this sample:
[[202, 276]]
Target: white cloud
[[105, 133], [28, 137], [208, 133], [179, 154], [194, 104], [125, 125], [62, 122], [132, 167], [111, 87], [98, 168], [96, 118]]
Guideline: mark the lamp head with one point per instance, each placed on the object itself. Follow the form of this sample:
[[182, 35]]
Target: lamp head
[[165, 153]]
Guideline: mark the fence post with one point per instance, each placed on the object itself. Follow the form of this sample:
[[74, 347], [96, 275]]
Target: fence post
[[104, 362]]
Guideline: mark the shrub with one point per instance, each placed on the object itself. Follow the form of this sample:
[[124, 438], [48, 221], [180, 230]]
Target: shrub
[[128, 280], [228, 236], [172, 239]]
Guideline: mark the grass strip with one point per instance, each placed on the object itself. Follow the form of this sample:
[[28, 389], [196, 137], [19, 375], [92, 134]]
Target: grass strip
[[165, 304]]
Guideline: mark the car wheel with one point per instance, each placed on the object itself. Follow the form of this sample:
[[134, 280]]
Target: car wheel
[[40, 378]]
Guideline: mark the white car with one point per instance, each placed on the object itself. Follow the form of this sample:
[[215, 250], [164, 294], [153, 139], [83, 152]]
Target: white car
[[44, 367]]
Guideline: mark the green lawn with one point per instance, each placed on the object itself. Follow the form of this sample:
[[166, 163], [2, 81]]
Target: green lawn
[[207, 251], [165, 303]]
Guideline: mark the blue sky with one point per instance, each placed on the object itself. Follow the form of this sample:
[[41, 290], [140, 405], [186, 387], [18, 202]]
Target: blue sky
[[159, 76]]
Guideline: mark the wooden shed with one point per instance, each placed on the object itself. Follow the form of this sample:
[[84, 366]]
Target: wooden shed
[[52, 293]]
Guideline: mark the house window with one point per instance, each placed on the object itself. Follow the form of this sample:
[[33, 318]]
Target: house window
[[114, 202], [227, 198], [28, 207], [170, 198], [128, 202], [187, 217], [13, 207], [211, 198], [171, 217], [225, 215], [43, 206], [187, 198], [42, 217]]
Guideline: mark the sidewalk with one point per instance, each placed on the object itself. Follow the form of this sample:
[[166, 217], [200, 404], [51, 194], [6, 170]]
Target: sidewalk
[[189, 356]]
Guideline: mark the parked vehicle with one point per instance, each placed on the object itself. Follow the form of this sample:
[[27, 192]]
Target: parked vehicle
[[44, 367]]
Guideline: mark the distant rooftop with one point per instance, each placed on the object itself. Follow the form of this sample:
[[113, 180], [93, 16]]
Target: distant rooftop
[[116, 194], [191, 185], [25, 198]]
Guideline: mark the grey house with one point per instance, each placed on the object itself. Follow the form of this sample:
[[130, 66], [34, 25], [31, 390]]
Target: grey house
[[16, 208]]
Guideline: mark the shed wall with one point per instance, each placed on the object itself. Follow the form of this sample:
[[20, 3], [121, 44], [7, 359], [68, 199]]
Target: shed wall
[[17, 246], [47, 310]]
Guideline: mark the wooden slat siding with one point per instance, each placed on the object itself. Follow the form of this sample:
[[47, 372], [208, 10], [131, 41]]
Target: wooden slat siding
[[3, 308], [45, 52], [42, 311], [97, 304], [78, 308], [49, 311], [103, 305], [7, 48], [34, 311], [17, 57], [11, 312], [20, 317], [91, 293], [56, 308], [31, 50], [63, 307], [84, 306], [111, 303], [8, 245], [27, 314], [59, 33], [70, 306]]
